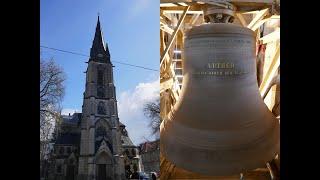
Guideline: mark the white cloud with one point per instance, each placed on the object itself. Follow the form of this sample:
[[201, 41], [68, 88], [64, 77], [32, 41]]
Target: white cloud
[[138, 7], [71, 111], [130, 106]]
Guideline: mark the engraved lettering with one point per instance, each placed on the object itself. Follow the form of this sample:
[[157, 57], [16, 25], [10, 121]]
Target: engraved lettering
[[220, 65]]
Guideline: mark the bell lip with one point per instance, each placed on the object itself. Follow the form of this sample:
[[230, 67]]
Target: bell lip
[[221, 171], [218, 28], [270, 147]]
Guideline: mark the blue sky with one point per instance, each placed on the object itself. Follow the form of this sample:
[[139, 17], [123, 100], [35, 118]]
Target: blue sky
[[131, 30]]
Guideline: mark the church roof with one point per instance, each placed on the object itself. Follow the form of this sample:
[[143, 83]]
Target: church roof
[[72, 119], [126, 141], [68, 138], [149, 146], [121, 124]]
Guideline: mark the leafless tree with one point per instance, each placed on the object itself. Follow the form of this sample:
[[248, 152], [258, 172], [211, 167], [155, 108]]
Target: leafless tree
[[152, 111], [52, 89]]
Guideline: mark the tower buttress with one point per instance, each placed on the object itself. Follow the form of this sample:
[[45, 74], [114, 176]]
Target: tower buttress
[[100, 122]]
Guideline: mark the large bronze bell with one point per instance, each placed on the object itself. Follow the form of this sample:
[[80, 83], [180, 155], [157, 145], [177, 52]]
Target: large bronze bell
[[220, 125]]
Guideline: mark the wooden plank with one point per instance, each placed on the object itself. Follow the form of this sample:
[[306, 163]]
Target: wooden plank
[[260, 15], [175, 1], [275, 17], [183, 4], [241, 19], [251, 12], [166, 84], [181, 12], [259, 23], [271, 71], [165, 27], [194, 19], [235, 1], [251, 1], [274, 36], [174, 35], [167, 5], [181, 8]]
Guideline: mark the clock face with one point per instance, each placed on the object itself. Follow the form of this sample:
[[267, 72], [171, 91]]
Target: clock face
[[100, 55]]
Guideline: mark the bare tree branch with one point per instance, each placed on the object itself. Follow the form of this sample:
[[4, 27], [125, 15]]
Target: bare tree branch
[[152, 111], [52, 90]]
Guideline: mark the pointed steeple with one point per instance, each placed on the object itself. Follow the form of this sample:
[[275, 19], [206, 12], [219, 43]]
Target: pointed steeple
[[99, 50]]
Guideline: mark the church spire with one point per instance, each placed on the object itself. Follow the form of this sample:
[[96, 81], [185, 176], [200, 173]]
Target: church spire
[[99, 50]]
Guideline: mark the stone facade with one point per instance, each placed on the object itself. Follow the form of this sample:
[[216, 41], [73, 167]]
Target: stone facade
[[131, 157], [93, 145], [150, 156], [100, 145]]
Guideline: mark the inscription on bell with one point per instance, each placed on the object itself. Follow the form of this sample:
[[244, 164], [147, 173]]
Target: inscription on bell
[[220, 69], [220, 65], [220, 73]]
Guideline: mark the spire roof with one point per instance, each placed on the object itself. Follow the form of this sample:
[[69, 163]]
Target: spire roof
[[99, 50]]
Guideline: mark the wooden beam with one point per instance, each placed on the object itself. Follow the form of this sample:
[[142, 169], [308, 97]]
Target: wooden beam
[[175, 1], [274, 81], [272, 69], [181, 12], [167, 5], [194, 19], [259, 23], [232, 1], [183, 4], [275, 17], [252, 1], [165, 27], [274, 36], [180, 9], [166, 84], [259, 16], [174, 35], [250, 12], [241, 19], [242, 5]]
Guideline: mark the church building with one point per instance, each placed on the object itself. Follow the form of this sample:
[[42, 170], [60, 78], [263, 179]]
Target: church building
[[94, 144]]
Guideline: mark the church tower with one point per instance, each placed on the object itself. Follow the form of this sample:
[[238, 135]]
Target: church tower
[[100, 146]]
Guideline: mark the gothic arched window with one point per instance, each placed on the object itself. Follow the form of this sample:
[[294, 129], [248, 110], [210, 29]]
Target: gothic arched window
[[101, 131], [101, 108]]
